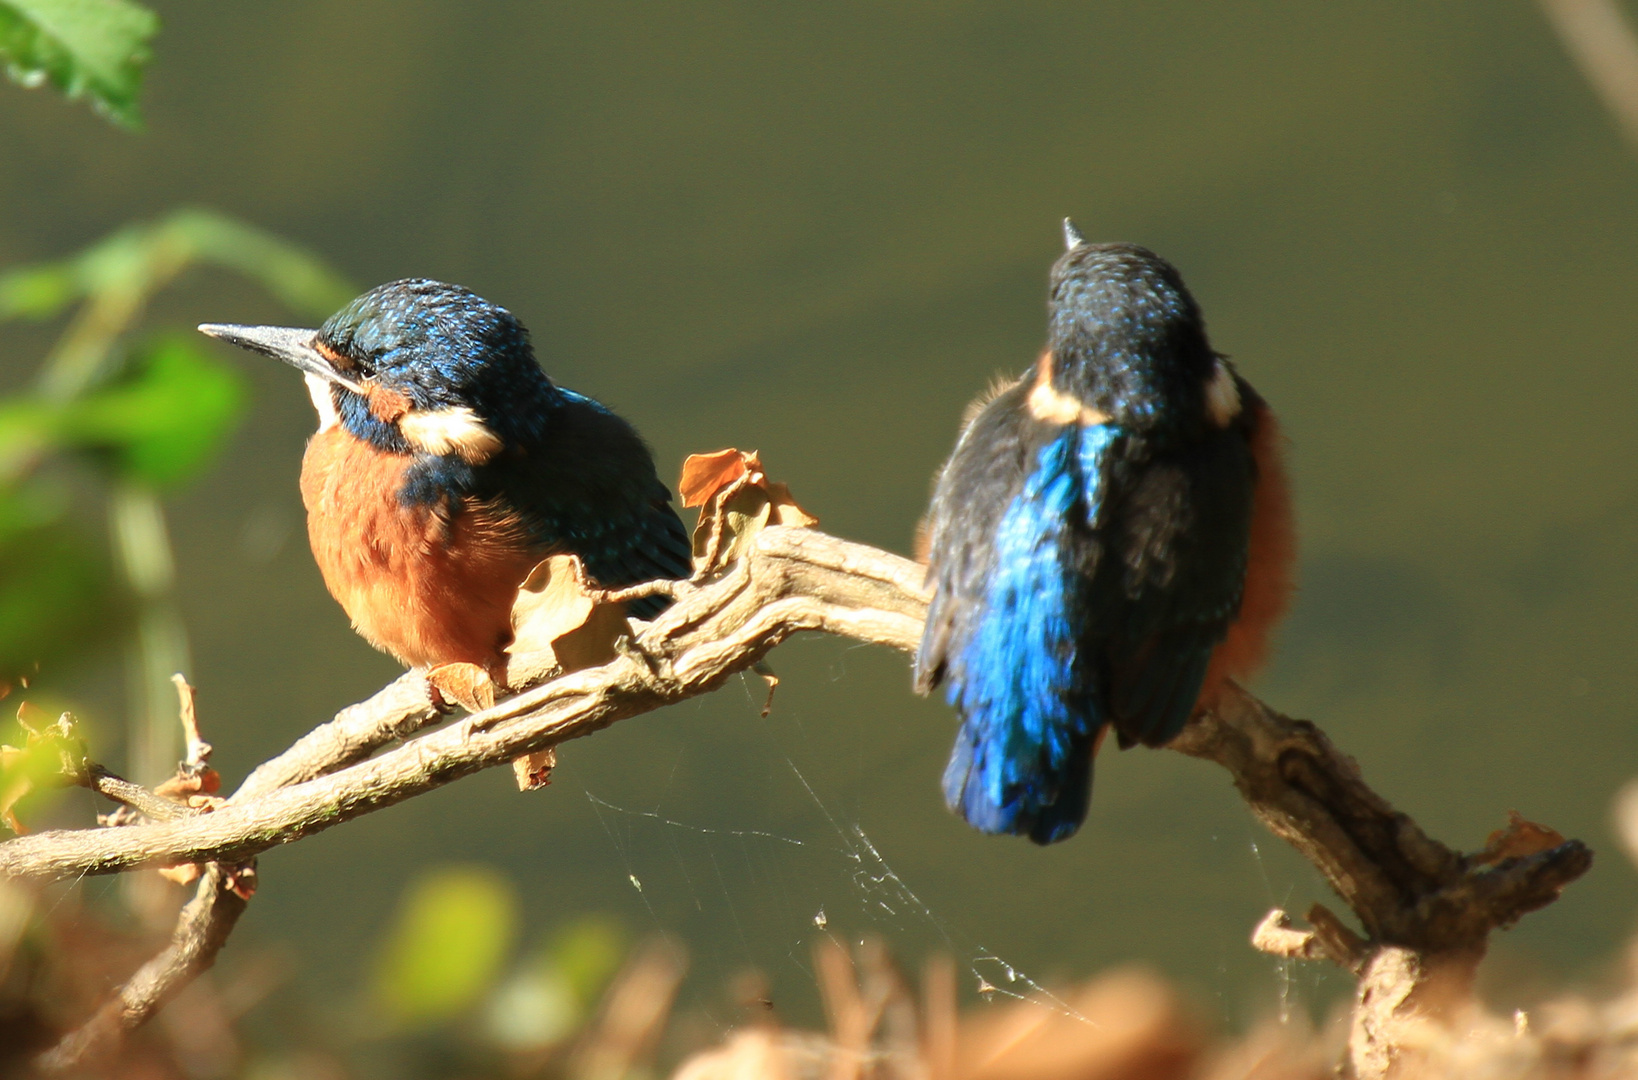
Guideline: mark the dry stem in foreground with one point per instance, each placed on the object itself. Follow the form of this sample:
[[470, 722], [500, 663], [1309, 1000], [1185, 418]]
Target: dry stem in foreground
[[1426, 910]]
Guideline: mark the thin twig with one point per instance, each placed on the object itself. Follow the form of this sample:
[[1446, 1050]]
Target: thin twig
[[135, 796], [202, 927], [1426, 910], [1603, 45], [197, 756], [201, 931]]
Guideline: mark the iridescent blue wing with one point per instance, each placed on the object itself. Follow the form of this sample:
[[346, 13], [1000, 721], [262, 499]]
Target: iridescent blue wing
[[588, 487], [984, 473], [1171, 581], [1007, 557]]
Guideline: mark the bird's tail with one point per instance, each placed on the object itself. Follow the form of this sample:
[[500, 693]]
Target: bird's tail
[[1022, 761], [1035, 796]]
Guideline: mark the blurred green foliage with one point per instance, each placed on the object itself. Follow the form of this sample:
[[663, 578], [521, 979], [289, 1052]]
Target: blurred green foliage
[[450, 953], [95, 49], [586, 954], [53, 596], [149, 413], [139, 258], [453, 932], [160, 423], [556, 988]]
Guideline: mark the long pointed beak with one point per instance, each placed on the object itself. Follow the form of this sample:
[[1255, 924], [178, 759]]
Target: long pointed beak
[[288, 343]]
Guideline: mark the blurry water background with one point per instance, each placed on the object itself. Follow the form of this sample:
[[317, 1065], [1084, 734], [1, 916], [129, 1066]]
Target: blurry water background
[[817, 230]]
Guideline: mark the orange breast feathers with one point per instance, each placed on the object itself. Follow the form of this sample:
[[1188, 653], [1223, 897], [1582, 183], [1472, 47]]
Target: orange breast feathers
[[427, 584], [1270, 564]]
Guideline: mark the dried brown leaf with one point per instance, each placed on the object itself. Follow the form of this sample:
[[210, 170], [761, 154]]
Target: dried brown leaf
[[1519, 838], [467, 685], [703, 475], [243, 881], [737, 501], [182, 787], [558, 615], [32, 718], [552, 601], [785, 509], [534, 771]]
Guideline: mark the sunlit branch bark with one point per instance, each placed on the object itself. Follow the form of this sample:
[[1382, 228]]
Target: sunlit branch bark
[[1601, 41], [1425, 910]]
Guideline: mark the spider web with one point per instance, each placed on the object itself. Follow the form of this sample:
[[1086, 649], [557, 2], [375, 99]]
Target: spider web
[[787, 897], [749, 888]]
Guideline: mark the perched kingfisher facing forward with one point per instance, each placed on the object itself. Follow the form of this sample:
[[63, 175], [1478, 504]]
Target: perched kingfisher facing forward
[[1110, 539], [446, 465]]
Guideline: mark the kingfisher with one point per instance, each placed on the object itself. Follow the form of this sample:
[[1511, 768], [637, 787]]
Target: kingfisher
[[446, 465], [1110, 540]]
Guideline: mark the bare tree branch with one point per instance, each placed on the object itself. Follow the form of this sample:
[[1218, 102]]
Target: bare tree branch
[[797, 580], [135, 796], [1426, 910], [1603, 45], [201, 931]]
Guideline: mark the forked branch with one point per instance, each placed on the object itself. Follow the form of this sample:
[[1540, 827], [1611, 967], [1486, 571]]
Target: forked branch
[[1424, 908]]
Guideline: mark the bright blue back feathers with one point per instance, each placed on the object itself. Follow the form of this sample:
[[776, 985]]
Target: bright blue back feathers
[[1022, 760], [1087, 544]]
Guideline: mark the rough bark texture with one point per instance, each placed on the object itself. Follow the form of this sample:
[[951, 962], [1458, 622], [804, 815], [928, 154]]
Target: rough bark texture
[[1425, 909]]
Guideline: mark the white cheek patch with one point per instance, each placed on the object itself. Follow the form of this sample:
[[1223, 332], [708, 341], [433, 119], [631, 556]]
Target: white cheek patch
[[450, 431], [1222, 395], [324, 401], [1051, 406], [1048, 405]]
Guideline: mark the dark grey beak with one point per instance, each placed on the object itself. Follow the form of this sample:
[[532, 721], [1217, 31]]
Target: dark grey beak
[[1072, 238], [288, 343]]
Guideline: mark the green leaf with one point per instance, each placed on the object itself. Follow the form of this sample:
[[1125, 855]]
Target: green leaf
[[54, 595], [587, 952], [138, 259], [28, 430], [37, 292], [167, 420], [85, 48], [295, 276], [454, 929]]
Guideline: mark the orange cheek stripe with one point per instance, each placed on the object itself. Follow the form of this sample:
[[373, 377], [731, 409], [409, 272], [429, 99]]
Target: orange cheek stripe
[[387, 406], [1270, 564], [339, 362]]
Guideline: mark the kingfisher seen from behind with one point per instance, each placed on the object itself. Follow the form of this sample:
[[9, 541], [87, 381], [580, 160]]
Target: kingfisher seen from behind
[[1110, 539], [446, 465]]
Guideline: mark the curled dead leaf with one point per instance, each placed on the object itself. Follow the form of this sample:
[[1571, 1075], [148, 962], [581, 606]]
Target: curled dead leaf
[[464, 684], [242, 881], [1520, 837], [558, 623], [552, 601], [737, 501], [534, 771], [184, 787], [703, 475]]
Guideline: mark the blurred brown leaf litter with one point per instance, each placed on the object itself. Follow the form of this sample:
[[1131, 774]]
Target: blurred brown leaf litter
[[58, 954]]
